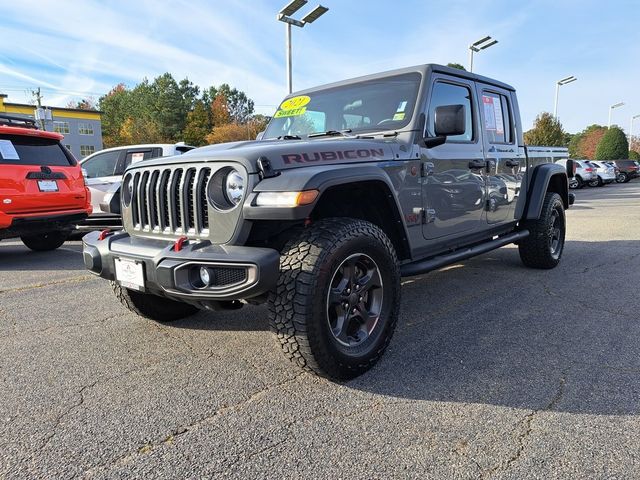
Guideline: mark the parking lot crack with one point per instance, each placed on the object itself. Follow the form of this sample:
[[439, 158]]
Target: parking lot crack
[[526, 427], [77, 279]]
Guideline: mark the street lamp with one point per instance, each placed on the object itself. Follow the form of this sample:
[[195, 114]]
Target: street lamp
[[481, 44], [559, 83], [610, 109], [631, 127], [285, 16]]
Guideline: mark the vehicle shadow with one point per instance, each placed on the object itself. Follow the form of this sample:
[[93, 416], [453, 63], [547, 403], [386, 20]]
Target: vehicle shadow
[[14, 256], [497, 333]]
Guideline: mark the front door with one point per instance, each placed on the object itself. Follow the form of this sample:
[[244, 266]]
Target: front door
[[506, 161], [101, 172], [454, 178]]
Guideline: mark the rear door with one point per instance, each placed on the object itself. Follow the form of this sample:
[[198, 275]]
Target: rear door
[[454, 180], [102, 171], [506, 161], [37, 174], [135, 155]]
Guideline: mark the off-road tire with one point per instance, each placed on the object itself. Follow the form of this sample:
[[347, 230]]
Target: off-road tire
[[45, 241], [152, 306], [537, 250], [298, 307]]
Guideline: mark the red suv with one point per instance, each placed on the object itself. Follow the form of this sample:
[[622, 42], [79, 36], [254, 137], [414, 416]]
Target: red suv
[[42, 190]]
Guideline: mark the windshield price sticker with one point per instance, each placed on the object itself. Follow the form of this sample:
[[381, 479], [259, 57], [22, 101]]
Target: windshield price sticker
[[290, 113], [8, 151], [295, 103]]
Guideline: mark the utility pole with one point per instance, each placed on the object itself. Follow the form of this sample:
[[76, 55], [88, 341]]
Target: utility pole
[[38, 97]]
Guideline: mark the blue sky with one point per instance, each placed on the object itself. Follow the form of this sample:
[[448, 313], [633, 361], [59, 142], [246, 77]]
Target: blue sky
[[82, 48]]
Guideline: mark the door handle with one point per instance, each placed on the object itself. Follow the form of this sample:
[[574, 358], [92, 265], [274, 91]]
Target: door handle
[[512, 163], [477, 163]]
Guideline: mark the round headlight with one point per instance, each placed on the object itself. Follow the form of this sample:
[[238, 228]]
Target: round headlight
[[127, 190], [234, 187]]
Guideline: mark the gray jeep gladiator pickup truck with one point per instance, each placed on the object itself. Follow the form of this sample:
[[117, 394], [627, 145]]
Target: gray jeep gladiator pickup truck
[[352, 186]]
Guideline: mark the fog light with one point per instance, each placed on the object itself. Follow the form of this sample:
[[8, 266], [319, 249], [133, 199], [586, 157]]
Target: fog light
[[205, 278]]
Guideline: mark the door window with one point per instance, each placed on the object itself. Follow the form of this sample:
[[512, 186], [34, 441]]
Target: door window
[[497, 121], [102, 165], [450, 94]]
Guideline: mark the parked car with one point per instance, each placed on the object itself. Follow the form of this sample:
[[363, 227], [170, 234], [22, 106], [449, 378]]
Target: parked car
[[103, 172], [605, 174], [352, 186], [42, 190], [584, 174], [628, 169]]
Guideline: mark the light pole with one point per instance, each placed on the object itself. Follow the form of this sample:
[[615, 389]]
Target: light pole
[[559, 83], [285, 16], [481, 44], [610, 109], [631, 129]]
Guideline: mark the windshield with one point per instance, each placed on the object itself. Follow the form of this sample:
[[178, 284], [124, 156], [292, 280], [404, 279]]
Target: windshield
[[374, 105]]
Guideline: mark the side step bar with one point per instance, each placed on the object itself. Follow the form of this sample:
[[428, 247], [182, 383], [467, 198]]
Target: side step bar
[[424, 266]]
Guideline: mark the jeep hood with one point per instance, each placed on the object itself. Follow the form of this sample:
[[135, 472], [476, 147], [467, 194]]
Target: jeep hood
[[285, 154]]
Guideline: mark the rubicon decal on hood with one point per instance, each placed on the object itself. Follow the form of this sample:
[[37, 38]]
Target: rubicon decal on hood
[[361, 153]]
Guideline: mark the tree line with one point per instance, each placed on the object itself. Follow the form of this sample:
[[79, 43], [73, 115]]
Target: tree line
[[595, 142], [167, 111]]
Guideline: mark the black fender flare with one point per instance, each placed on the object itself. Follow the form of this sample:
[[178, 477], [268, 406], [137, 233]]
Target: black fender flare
[[543, 176], [319, 178]]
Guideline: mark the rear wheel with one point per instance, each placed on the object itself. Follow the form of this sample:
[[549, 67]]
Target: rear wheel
[[336, 303], [152, 306], [45, 241], [545, 243], [622, 177]]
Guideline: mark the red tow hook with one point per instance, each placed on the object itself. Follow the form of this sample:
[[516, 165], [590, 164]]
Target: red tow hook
[[179, 243], [105, 233]]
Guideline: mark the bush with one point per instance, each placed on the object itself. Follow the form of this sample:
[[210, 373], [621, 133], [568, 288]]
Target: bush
[[613, 145], [633, 155]]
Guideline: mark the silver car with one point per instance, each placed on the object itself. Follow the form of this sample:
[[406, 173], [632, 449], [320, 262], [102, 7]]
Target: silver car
[[585, 173], [103, 175], [605, 173]]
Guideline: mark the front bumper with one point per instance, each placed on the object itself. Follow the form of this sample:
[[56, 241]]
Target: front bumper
[[238, 272]]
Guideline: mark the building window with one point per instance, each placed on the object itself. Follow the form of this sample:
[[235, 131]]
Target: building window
[[87, 150], [85, 129], [61, 127]]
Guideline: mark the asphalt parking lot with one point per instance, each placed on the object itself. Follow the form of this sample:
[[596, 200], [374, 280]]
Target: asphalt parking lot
[[495, 371]]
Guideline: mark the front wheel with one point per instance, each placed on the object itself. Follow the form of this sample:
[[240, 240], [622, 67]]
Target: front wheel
[[152, 306], [336, 303], [545, 243], [45, 241]]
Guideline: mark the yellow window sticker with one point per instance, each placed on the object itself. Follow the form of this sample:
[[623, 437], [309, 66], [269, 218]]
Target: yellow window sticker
[[398, 116], [295, 103], [290, 113]]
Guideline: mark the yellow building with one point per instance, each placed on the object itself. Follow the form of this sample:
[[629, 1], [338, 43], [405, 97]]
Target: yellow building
[[82, 129]]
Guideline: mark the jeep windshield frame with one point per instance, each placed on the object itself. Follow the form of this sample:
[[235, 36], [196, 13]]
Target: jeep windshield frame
[[378, 105]]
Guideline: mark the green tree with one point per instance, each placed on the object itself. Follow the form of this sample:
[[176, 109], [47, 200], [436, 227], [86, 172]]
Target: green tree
[[456, 65], [613, 146], [240, 107], [547, 130], [198, 125], [633, 155]]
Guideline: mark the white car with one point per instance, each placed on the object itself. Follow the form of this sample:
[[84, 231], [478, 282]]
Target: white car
[[585, 173], [605, 174], [103, 175]]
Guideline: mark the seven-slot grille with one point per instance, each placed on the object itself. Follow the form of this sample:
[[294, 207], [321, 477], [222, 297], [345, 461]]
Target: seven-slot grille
[[171, 201]]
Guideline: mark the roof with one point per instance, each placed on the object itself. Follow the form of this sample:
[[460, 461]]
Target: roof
[[423, 69], [30, 132]]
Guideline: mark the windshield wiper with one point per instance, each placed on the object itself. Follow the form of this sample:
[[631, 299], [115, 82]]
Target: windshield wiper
[[288, 137], [330, 133]]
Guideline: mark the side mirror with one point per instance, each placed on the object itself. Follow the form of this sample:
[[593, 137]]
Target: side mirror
[[571, 168], [450, 120]]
